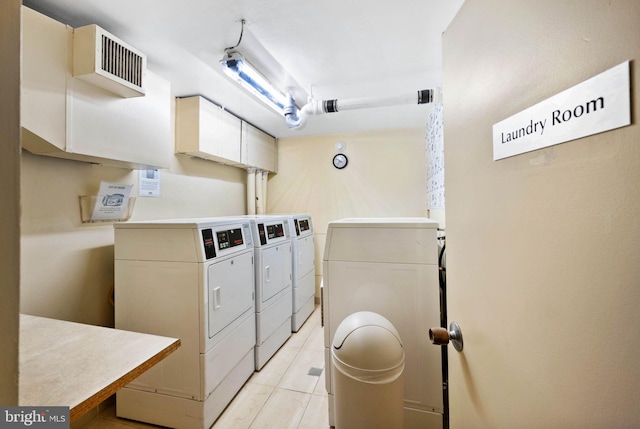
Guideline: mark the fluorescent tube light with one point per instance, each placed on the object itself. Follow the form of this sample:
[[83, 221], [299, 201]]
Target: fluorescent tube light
[[244, 74]]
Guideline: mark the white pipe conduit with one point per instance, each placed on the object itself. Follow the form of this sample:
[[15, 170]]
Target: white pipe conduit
[[251, 191], [265, 177], [259, 190], [256, 191], [296, 119]]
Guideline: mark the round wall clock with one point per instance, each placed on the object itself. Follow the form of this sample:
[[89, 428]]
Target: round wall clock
[[340, 161]]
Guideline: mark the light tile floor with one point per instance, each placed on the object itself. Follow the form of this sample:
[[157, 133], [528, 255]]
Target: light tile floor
[[289, 391]]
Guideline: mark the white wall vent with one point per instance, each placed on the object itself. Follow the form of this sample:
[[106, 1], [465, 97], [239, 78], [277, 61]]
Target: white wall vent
[[103, 60]]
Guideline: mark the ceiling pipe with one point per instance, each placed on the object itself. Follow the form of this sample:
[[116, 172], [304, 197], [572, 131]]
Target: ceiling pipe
[[297, 118]]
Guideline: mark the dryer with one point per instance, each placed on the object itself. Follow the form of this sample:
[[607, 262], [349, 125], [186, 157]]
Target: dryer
[[389, 266], [273, 279], [303, 268], [191, 279]]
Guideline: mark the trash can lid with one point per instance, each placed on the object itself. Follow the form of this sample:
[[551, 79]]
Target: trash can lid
[[366, 341]]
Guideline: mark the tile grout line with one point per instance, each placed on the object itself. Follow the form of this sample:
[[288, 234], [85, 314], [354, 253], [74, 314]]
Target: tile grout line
[[261, 408]]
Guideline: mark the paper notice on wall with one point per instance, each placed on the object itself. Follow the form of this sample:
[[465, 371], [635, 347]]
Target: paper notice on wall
[[435, 159], [149, 183], [112, 201]]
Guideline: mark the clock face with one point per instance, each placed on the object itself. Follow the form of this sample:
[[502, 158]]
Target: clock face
[[340, 161]]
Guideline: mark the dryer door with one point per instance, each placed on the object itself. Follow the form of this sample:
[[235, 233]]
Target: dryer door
[[275, 272], [230, 288], [305, 256]]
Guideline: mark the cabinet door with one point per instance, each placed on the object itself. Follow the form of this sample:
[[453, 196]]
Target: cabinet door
[[261, 149], [207, 131], [219, 132]]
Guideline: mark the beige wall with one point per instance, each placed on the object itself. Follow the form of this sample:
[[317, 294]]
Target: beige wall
[[543, 249], [67, 266], [10, 205], [385, 176]]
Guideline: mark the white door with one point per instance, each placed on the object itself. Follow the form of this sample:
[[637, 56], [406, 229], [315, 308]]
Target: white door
[[543, 249]]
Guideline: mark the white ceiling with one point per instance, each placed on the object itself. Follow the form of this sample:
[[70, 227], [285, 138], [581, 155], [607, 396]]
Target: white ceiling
[[334, 49]]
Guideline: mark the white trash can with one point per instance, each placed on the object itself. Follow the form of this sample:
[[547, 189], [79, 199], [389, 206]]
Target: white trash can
[[368, 363]]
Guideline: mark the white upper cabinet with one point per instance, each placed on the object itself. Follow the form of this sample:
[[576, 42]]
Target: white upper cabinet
[[66, 117], [260, 148], [207, 131]]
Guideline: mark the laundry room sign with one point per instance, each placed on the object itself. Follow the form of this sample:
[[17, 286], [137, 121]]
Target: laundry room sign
[[599, 104]]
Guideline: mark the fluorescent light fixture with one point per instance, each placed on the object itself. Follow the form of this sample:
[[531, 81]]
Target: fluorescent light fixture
[[244, 74]]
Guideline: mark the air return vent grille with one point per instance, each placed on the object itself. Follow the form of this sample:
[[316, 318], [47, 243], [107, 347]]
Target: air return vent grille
[[121, 62], [106, 61]]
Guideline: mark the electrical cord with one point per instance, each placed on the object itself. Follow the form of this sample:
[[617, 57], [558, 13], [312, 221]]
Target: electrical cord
[[242, 21]]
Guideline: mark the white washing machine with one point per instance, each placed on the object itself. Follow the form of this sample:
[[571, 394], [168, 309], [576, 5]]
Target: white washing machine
[[303, 267], [389, 266], [191, 279], [273, 279]]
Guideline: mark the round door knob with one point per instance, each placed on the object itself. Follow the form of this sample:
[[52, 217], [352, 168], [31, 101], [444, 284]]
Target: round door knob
[[441, 337]]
